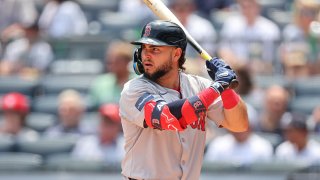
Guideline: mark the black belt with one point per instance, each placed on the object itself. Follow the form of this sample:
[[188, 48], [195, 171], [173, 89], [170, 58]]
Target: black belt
[[131, 178]]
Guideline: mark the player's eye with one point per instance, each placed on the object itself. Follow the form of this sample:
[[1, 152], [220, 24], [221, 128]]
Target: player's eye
[[156, 49]]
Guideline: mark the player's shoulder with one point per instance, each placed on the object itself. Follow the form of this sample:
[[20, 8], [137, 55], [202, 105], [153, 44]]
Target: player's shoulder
[[140, 85], [137, 82], [195, 79]]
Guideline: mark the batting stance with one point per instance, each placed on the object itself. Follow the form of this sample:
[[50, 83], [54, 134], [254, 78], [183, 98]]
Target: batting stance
[[164, 111]]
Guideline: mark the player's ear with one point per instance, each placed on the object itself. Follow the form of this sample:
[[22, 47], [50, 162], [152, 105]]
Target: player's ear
[[177, 53]]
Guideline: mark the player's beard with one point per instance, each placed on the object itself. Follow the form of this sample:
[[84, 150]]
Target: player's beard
[[160, 71]]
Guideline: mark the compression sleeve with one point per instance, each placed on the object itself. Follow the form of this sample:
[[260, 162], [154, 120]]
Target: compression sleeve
[[191, 108]]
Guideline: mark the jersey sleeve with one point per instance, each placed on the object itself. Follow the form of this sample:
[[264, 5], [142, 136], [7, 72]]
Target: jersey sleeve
[[136, 93], [215, 112]]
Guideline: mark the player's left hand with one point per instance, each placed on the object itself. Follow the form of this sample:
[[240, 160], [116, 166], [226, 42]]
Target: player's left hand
[[220, 72]]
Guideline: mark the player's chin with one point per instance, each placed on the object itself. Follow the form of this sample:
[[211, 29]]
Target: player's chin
[[148, 70]]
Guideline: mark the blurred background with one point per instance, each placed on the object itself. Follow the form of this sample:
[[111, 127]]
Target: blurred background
[[63, 64]]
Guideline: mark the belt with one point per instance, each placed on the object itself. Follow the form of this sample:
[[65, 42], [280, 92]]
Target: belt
[[131, 178]]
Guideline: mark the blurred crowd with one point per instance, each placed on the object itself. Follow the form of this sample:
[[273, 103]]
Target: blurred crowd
[[48, 94]]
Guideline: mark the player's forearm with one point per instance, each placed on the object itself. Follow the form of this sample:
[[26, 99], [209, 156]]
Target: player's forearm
[[235, 112], [161, 115]]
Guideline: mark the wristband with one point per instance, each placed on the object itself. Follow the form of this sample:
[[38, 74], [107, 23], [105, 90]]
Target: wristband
[[208, 96], [229, 98]]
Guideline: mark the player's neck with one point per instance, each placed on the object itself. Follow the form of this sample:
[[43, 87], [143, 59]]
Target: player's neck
[[171, 80]]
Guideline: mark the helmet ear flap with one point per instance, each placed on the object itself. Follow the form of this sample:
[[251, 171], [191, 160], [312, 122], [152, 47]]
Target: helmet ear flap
[[137, 62]]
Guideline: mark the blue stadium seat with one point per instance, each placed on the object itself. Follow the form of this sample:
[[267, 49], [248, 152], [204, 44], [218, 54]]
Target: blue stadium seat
[[49, 104], [65, 162], [6, 143], [46, 146], [17, 84], [307, 86], [264, 82], [304, 104], [45, 104], [70, 66], [80, 47], [54, 84], [222, 166], [40, 121], [20, 161], [278, 166], [93, 7]]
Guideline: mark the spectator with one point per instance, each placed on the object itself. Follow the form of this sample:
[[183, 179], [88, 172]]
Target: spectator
[[299, 32], [297, 147], [107, 87], [241, 148], [28, 55], [107, 144], [15, 109], [137, 10], [275, 108], [200, 28], [296, 61], [207, 6], [14, 13], [249, 38], [314, 121], [63, 18], [70, 110], [247, 90]]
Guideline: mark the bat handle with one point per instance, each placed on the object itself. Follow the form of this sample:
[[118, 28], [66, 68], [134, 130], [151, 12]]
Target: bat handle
[[234, 84]]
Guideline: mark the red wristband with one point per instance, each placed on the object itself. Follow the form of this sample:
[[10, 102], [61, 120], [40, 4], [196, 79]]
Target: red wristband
[[229, 98], [208, 96]]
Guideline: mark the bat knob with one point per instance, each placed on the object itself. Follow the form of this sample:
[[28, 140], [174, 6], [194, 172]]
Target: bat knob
[[234, 84]]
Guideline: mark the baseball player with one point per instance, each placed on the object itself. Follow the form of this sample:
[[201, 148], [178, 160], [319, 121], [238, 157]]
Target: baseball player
[[164, 111]]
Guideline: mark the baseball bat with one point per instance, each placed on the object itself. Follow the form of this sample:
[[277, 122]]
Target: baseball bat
[[163, 12]]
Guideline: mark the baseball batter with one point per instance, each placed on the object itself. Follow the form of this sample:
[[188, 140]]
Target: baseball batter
[[164, 111]]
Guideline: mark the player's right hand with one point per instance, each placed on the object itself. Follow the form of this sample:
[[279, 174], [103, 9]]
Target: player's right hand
[[221, 73]]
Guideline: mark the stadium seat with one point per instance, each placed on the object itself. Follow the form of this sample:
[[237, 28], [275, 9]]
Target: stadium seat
[[80, 47], [307, 86], [54, 84], [19, 161], [17, 84], [46, 146], [66, 162], [45, 104], [273, 138], [49, 104], [119, 25], [96, 5], [6, 143], [40, 121], [264, 82], [275, 165], [222, 166], [304, 104], [84, 66]]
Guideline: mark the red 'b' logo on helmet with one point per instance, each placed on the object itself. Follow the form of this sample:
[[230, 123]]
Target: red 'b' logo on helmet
[[147, 31]]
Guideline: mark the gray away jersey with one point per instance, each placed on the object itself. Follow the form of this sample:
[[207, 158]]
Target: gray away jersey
[[155, 154]]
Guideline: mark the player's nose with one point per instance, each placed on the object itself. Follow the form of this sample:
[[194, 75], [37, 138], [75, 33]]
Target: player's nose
[[146, 56]]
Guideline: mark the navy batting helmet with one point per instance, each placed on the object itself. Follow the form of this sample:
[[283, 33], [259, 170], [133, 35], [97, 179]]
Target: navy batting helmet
[[162, 33], [159, 33]]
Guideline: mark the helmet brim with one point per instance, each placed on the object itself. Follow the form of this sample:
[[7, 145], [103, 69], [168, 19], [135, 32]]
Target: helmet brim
[[151, 41]]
